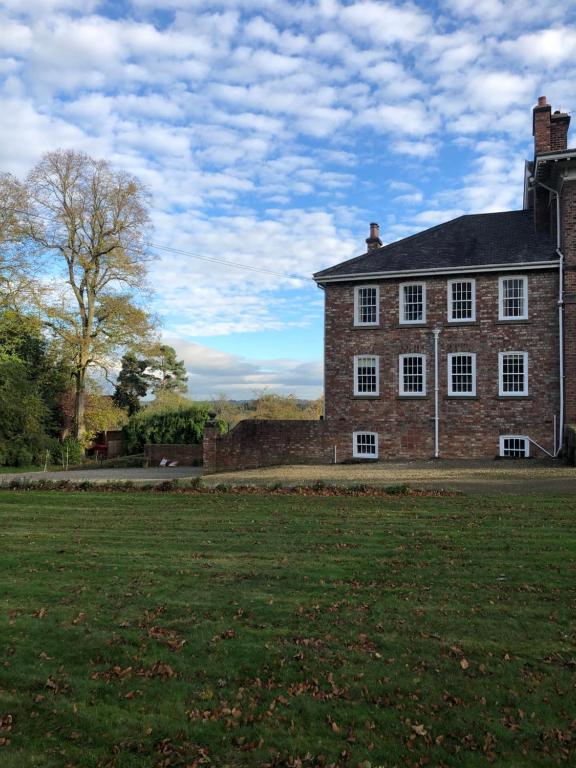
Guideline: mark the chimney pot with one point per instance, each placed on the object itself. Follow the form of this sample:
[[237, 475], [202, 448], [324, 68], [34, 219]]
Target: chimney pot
[[542, 101], [374, 240]]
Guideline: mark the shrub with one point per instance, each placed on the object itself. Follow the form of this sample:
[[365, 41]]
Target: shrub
[[181, 425]]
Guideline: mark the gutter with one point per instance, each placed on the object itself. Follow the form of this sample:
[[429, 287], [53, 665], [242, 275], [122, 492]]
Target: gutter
[[358, 277]]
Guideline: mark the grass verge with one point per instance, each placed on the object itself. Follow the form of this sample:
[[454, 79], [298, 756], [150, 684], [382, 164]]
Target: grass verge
[[269, 630]]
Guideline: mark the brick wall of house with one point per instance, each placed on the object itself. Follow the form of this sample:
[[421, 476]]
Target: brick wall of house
[[261, 443], [568, 213], [185, 455], [469, 428]]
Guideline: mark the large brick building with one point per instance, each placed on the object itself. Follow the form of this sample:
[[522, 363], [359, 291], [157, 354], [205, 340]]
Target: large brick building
[[460, 341]]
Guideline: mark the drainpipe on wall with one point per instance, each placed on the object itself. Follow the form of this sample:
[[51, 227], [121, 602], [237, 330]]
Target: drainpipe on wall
[[558, 448], [436, 333]]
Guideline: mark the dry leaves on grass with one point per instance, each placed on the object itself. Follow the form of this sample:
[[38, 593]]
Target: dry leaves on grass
[[5, 728]]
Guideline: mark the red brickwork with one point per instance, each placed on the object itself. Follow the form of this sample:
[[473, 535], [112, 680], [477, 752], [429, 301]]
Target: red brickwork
[[568, 210], [261, 443], [469, 428], [559, 132], [185, 455], [541, 126]]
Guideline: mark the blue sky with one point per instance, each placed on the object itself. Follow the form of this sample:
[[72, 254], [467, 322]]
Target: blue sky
[[271, 132]]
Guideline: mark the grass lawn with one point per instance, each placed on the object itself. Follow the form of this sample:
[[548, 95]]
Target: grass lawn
[[175, 630], [18, 470]]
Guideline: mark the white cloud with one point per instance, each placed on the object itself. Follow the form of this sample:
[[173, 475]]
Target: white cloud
[[270, 132], [548, 47], [408, 119], [419, 149], [412, 198], [212, 372], [499, 90], [386, 23]]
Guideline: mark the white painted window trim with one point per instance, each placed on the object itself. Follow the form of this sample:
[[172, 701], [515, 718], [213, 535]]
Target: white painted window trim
[[501, 374], [465, 319], [376, 359], [355, 453], [402, 321], [452, 355], [401, 391], [515, 437], [357, 321], [501, 315]]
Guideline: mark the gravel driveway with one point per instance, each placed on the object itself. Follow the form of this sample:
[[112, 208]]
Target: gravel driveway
[[135, 474]]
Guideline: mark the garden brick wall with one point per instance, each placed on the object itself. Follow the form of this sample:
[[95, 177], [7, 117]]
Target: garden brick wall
[[469, 427], [185, 455], [261, 443]]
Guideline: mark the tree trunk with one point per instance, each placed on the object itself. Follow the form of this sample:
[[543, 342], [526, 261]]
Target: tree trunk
[[79, 429]]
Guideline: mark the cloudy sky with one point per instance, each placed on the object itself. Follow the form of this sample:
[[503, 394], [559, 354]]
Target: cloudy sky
[[271, 132]]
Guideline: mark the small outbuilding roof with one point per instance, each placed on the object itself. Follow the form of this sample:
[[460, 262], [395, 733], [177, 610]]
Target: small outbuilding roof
[[479, 240]]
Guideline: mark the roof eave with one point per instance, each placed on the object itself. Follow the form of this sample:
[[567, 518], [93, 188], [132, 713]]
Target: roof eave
[[390, 275]]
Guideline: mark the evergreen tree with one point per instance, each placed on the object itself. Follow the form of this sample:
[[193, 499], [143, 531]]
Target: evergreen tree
[[132, 383], [165, 372]]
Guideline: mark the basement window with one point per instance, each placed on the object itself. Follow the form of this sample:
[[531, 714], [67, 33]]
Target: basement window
[[366, 305], [514, 447], [365, 445], [461, 374], [412, 375], [512, 374], [513, 298], [366, 375], [412, 303]]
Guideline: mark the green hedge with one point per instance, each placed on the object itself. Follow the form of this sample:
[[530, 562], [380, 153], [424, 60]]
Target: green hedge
[[35, 449], [180, 426]]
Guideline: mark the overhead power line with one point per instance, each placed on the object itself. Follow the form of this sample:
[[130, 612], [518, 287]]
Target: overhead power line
[[227, 263], [200, 257]]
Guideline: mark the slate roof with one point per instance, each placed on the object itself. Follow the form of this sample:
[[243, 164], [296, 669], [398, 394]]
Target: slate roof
[[466, 242]]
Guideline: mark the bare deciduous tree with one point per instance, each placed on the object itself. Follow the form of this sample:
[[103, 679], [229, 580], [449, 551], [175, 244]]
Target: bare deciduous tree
[[90, 224]]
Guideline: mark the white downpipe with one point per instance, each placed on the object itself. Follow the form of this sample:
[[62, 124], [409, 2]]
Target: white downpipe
[[558, 447], [436, 333]]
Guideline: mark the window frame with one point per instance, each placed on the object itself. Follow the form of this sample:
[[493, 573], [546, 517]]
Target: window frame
[[355, 453], [451, 356], [526, 440], [501, 315], [401, 359], [376, 359], [501, 391], [357, 321], [450, 283], [401, 307]]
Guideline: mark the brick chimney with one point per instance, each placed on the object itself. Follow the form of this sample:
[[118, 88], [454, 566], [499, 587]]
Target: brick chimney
[[559, 123], [374, 240], [541, 126], [550, 131]]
